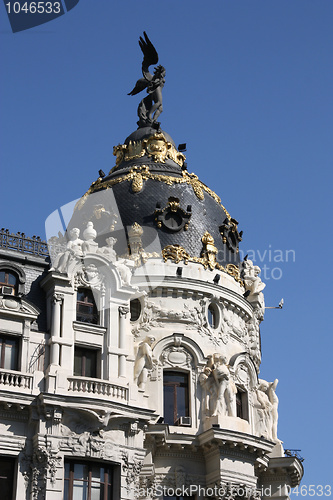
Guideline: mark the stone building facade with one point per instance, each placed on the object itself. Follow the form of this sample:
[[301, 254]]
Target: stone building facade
[[130, 347]]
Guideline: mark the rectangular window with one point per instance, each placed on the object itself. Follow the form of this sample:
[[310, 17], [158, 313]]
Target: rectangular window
[[85, 362], [241, 404], [9, 353], [7, 474], [88, 481], [86, 310], [176, 397]]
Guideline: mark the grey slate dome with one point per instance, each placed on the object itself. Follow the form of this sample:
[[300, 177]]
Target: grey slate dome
[[150, 187]]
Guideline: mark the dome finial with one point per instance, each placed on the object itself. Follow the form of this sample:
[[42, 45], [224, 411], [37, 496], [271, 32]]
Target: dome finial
[[150, 107]]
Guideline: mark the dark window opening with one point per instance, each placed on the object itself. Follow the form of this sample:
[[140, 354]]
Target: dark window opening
[[85, 362], [7, 475], [9, 347], [212, 316], [135, 309], [242, 405], [88, 481], [86, 310], [8, 282], [176, 396]]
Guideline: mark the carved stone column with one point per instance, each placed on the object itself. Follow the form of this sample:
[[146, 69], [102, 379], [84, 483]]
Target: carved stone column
[[123, 311], [55, 328]]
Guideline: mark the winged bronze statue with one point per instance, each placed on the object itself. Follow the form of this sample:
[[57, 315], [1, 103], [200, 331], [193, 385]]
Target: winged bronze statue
[[150, 107]]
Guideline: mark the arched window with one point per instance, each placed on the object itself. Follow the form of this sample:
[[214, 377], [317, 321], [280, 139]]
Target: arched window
[[86, 310], [8, 282], [176, 397], [212, 316]]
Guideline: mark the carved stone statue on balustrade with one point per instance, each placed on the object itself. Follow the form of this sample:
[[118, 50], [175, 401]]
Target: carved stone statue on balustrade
[[108, 251], [73, 250], [144, 361], [268, 409]]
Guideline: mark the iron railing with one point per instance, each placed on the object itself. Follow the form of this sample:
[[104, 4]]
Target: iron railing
[[22, 243]]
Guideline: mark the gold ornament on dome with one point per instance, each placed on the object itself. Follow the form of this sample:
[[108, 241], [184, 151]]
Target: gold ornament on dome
[[186, 178], [137, 183], [177, 253], [155, 147]]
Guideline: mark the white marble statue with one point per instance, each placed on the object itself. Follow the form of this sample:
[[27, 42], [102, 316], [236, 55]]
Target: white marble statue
[[251, 278], [226, 389], [124, 271], [218, 388], [268, 409], [108, 251], [73, 249], [89, 235], [144, 361], [209, 391]]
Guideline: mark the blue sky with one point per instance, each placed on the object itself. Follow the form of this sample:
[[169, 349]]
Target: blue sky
[[249, 89]]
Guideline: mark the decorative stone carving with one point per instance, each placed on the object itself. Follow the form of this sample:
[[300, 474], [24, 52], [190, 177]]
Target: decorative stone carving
[[144, 361], [108, 251], [219, 388], [176, 356], [132, 467], [73, 251], [267, 409], [36, 468], [254, 286], [89, 235]]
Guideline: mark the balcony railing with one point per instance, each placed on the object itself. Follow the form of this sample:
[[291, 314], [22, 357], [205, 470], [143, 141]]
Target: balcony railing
[[91, 386], [22, 243], [12, 379]]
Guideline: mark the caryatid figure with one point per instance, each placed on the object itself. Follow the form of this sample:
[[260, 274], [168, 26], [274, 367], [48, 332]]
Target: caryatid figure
[[144, 362]]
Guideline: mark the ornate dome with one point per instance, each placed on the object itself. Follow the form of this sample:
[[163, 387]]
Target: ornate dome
[[152, 204]]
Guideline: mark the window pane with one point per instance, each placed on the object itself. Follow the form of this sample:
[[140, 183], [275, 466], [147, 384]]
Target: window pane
[[2, 276], [80, 490], [90, 369], [78, 363], [169, 405], [182, 402], [10, 355], [95, 491], [12, 279]]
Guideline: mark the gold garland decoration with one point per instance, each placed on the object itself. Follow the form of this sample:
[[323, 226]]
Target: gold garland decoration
[[138, 174]]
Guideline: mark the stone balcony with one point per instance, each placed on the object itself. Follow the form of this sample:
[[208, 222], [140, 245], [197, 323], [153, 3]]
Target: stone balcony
[[15, 381], [104, 389]]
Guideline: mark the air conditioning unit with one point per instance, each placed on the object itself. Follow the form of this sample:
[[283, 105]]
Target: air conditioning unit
[[184, 421], [7, 290]]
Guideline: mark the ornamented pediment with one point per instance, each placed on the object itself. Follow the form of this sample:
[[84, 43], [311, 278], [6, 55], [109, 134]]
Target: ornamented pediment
[[19, 305]]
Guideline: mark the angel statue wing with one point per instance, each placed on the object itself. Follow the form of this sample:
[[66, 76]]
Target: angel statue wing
[[150, 107], [150, 57]]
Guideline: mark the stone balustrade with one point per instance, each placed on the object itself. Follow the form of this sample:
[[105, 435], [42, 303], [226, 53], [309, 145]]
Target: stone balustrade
[[14, 379], [91, 386]]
